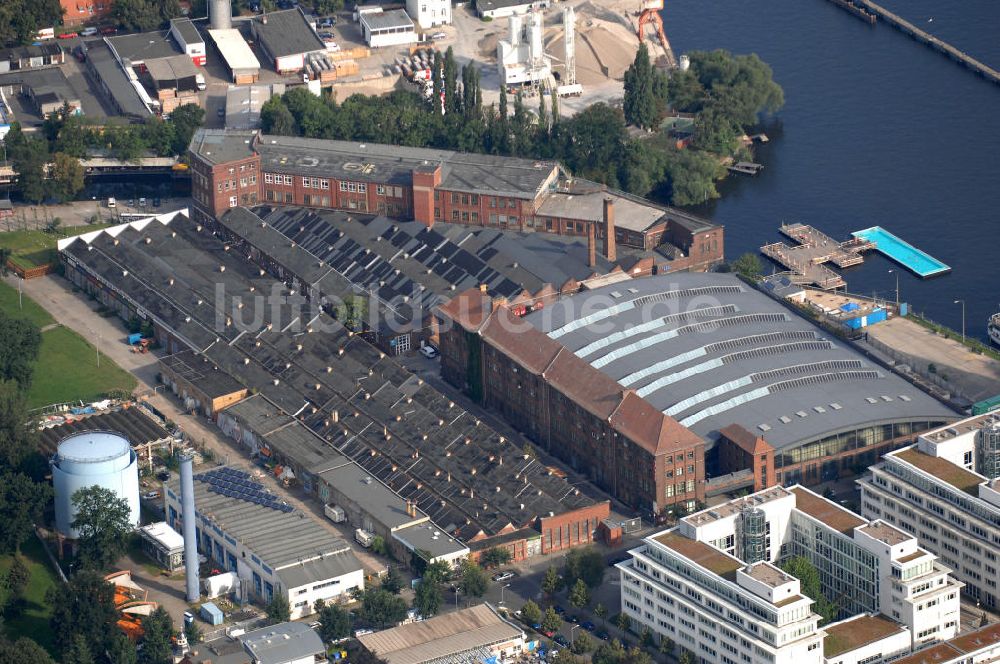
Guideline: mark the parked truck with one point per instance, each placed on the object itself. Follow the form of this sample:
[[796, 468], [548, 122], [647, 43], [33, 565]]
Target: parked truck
[[335, 513], [363, 537]]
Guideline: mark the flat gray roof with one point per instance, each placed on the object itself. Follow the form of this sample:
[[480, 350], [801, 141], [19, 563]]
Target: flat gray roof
[[103, 62], [143, 46], [185, 28], [319, 569], [483, 6], [287, 33], [285, 642], [375, 498], [394, 18], [631, 214], [429, 537], [710, 351], [218, 146], [202, 373], [394, 164]]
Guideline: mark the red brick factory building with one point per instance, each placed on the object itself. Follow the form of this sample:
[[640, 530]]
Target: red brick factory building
[[671, 388], [231, 169]]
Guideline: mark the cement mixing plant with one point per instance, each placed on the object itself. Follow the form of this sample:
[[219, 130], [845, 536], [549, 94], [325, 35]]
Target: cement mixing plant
[[93, 458]]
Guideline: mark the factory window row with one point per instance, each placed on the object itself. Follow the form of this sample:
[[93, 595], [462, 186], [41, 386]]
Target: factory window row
[[277, 178], [315, 183], [354, 187]]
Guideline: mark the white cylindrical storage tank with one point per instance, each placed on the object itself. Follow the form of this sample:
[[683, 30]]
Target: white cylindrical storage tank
[[101, 458], [515, 29], [220, 14], [535, 36]]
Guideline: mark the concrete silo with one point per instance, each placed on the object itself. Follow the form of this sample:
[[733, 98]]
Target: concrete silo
[[101, 458]]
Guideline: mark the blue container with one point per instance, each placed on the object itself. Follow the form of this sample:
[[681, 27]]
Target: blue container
[[133, 339], [211, 613]]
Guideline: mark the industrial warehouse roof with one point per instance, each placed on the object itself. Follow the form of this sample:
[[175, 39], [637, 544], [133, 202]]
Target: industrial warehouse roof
[[711, 351], [110, 72], [218, 146], [631, 213], [244, 102], [202, 373], [394, 164], [442, 636], [185, 28], [394, 18], [485, 6], [288, 542], [426, 447], [133, 423], [429, 538], [234, 49], [409, 267], [287, 32], [282, 643], [172, 70], [143, 47]]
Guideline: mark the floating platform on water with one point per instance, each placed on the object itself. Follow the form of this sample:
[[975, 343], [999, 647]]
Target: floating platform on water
[[746, 167], [916, 261], [807, 260]]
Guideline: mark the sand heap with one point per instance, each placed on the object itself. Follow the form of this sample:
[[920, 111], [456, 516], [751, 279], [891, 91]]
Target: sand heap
[[604, 49]]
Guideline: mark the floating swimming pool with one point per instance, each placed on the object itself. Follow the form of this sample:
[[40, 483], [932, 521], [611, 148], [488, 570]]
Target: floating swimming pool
[[902, 252]]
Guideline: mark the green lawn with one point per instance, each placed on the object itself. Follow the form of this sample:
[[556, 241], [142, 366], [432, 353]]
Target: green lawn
[[67, 370], [29, 308], [33, 621], [67, 363], [34, 248]]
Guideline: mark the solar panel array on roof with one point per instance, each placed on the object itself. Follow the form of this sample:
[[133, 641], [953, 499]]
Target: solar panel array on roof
[[234, 483], [395, 261]]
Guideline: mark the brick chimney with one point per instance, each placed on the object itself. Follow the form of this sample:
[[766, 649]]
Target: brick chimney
[[610, 251], [591, 247], [426, 178]]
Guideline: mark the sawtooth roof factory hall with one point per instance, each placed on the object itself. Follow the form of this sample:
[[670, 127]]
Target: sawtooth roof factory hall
[[328, 399]]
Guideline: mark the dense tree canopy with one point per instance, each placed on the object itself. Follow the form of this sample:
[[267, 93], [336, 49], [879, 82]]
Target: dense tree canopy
[[157, 629], [585, 564], [335, 622], [143, 15], [20, 20], [86, 606], [19, 350], [104, 522], [23, 651], [380, 608]]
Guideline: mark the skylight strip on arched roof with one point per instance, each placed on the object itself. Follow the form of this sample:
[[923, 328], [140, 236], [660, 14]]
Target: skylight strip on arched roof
[[737, 342], [718, 362], [621, 335], [749, 379], [731, 321], [642, 300], [752, 395]]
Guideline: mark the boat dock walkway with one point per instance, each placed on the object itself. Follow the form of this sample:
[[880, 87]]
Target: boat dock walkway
[[807, 260], [857, 10], [944, 47], [746, 168]]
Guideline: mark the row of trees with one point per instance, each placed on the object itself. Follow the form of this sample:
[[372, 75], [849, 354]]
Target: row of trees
[[727, 92], [48, 165]]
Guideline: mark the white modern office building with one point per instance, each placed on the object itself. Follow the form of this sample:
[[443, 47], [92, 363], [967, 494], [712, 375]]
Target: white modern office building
[[945, 489], [712, 583]]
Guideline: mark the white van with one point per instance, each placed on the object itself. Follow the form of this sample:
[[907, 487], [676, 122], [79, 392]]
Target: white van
[[199, 80], [112, 203]]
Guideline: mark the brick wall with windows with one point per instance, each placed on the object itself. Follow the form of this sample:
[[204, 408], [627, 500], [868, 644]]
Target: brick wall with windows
[[218, 187]]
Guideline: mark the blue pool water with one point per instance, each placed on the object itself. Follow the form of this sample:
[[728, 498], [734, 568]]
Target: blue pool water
[[902, 252]]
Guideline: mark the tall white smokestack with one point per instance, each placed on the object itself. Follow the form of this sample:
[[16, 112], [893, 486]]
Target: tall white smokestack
[[190, 534], [220, 14]]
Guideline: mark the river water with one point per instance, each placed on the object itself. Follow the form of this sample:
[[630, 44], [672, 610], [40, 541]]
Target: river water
[[876, 129]]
